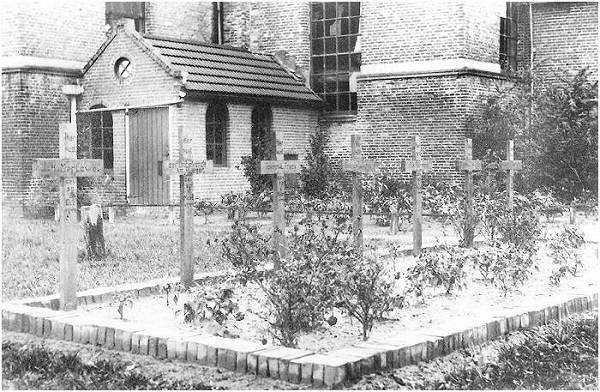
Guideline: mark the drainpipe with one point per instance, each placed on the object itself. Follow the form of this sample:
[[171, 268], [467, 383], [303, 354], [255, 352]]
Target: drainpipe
[[531, 50]]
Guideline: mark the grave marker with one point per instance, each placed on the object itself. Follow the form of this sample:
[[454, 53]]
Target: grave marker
[[279, 168], [185, 167], [469, 165], [67, 168], [511, 166], [357, 166], [417, 166]]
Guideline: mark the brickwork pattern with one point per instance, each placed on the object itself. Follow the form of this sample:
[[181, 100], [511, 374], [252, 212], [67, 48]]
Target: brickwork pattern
[[269, 27], [42, 28], [565, 38], [185, 20], [32, 107]]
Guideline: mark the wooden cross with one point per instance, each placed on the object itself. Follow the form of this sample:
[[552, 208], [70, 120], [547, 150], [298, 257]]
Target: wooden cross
[[357, 166], [185, 167], [279, 168], [67, 168], [417, 166], [469, 165], [511, 166]]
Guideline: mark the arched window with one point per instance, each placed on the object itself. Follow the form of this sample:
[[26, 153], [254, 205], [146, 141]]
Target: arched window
[[263, 139], [101, 140], [216, 133]]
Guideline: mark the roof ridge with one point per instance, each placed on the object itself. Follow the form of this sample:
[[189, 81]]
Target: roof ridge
[[194, 42]]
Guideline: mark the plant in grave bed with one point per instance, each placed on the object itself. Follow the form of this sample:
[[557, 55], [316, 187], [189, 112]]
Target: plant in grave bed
[[563, 249], [368, 292], [521, 228], [442, 265], [381, 191], [247, 249], [122, 300], [214, 302], [504, 265], [206, 207], [171, 291]]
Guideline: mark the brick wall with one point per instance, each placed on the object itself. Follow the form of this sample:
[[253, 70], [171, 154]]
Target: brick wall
[[565, 38], [64, 29], [185, 20], [269, 27], [32, 107]]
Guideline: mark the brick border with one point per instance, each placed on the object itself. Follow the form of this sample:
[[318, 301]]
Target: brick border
[[329, 370]]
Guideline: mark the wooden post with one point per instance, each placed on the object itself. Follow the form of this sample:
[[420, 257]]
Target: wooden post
[[572, 213], [394, 218], [357, 166], [93, 231], [185, 167], [417, 166], [469, 165], [511, 166], [111, 215], [279, 168], [67, 168]]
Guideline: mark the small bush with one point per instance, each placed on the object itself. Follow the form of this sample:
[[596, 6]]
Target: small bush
[[442, 266], [317, 175], [205, 207], [211, 302], [368, 293], [562, 248], [122, 300], [522, 229], [504, 265], [248, 250], [383, 190]]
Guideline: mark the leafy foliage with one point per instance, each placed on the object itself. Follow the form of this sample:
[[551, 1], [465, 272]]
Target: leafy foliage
[[504, 265], [554, 126], [318, 174], [263, 148], [382, 191], [206, 207], [562, 248], [209, 302], [442, 265], [368, 293]]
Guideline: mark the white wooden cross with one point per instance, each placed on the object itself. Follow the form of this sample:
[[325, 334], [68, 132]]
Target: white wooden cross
[[185, 167], [358, 166], [469, 165], [279, 168], [67, 168], [417, 166], [511, 166]]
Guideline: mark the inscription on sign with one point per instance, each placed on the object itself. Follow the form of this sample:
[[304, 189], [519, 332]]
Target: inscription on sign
[[187, 167], [284, 167], [51, 167]]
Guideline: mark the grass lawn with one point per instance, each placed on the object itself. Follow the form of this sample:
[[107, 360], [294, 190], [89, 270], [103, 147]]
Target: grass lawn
[[139, 249], [560, 355]]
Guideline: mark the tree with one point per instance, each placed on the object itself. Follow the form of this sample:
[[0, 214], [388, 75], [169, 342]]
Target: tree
[[317, 175]]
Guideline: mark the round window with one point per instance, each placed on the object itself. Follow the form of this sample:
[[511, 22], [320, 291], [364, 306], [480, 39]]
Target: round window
[[123, 68]]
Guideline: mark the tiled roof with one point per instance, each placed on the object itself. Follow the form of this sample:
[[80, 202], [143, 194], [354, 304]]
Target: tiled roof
[[220, 69]]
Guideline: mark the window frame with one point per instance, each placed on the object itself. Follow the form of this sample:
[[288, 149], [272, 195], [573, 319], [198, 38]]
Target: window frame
[[509, 33], [103, 148], [217, 118], [334, 39]]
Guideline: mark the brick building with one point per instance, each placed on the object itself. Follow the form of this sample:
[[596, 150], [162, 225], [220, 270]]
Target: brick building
[[386, 70]]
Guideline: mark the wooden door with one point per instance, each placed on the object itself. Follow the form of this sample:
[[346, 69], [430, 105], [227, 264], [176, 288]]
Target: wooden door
[[148, 148]]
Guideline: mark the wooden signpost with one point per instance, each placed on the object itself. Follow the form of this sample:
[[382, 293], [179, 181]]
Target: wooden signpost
[[511, 166], [279, 168], [67, 168], [417, 166], [185, 167], [357, 166], [469, 165]]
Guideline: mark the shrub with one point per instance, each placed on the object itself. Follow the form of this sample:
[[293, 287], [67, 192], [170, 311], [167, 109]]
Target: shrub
[[206, 207], [562, 248], [317, 174], [122, 300], [211, 302], [368, 293], [262, 148], [522, 229], [383, 190], [504, 265], [247, 249], [438, 266]]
